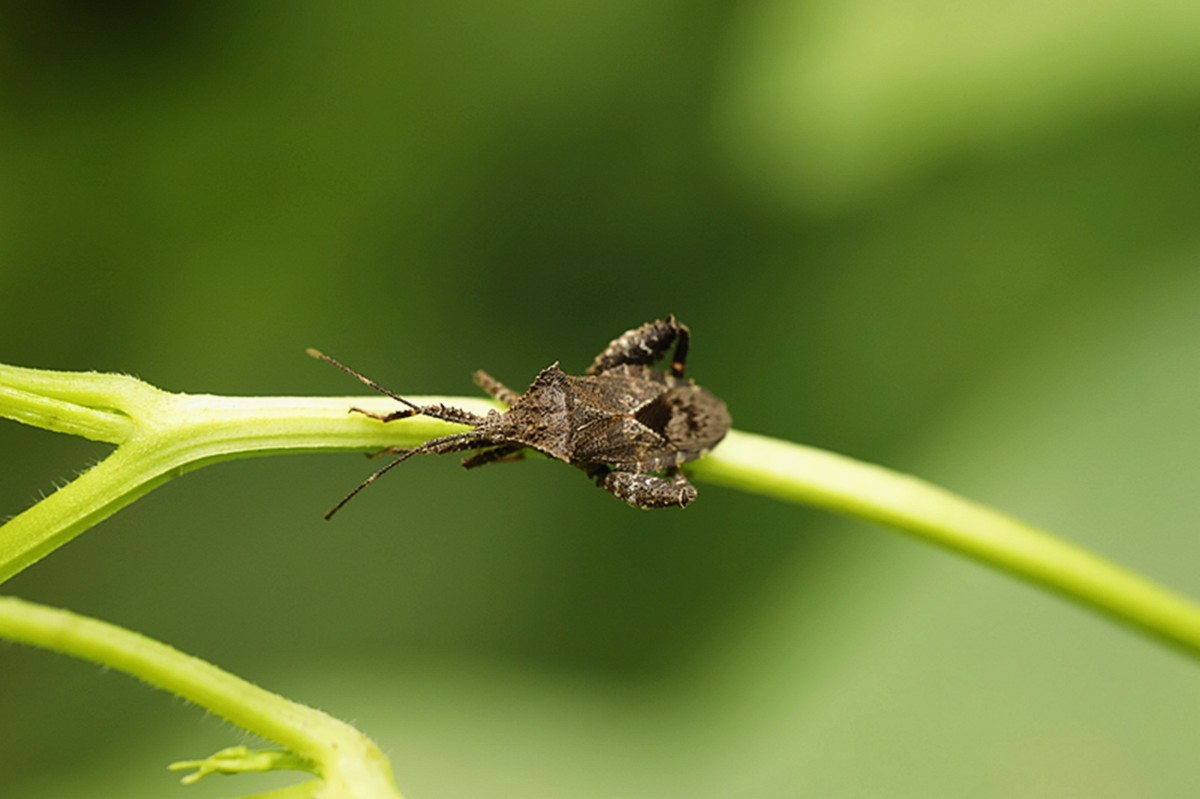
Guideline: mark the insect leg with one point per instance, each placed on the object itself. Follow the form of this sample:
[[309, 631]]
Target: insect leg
[[438, 411], [387, 417], [495, 388], [645, 345], [648, 490], [500, 453]]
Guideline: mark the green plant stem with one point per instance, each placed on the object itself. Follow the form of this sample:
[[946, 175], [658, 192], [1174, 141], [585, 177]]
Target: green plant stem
[[809, 476], [351, 766], [160, 435]]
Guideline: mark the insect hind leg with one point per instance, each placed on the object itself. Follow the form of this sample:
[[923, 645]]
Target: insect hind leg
[[648, 491], [646, 344]]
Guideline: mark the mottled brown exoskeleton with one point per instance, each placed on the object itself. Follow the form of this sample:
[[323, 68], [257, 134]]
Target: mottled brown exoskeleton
[[625, 424]]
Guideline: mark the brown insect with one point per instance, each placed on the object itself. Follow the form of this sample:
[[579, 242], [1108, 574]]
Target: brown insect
[[625, 424]]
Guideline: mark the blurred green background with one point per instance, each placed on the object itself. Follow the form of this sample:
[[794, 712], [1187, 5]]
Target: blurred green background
[[959, 239]]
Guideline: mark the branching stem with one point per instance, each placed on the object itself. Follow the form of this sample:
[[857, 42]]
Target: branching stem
[[159, 435]]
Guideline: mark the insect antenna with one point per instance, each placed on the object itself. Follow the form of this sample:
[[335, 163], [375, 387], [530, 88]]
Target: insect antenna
[[455, 442], [315, 353], [375, 476]]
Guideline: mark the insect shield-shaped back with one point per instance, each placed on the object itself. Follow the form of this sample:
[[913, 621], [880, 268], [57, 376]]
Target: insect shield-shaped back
[[541, 417], [625, 424]]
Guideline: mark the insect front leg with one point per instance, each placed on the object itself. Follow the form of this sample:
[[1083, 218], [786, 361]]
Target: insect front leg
[[387, 417], [438, 411], [645, 345], [504, 452], [495, 388], [648, 490], [443, 412]]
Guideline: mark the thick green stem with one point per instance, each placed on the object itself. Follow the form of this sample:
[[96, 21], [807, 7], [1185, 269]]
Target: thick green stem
[[808, 476]]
